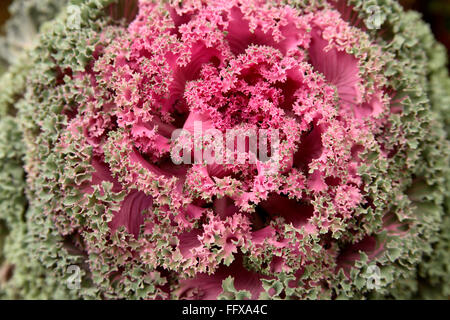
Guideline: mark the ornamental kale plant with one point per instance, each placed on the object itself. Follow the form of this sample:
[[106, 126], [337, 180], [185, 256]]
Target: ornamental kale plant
[[108, 190]]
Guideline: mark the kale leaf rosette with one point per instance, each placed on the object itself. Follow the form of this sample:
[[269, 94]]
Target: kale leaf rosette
[[114, 179]]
